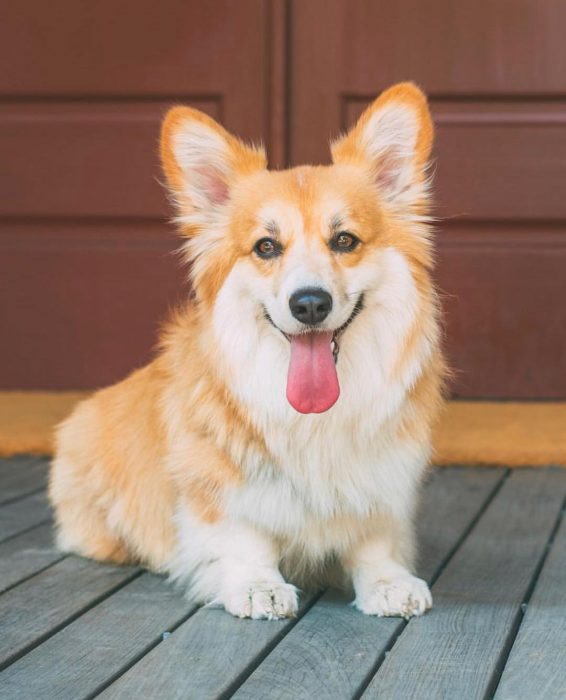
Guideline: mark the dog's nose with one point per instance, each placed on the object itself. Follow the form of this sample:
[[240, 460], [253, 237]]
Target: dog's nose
[[310, 305]]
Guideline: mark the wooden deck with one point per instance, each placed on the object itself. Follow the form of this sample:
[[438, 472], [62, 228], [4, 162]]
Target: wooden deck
[[493, 546]]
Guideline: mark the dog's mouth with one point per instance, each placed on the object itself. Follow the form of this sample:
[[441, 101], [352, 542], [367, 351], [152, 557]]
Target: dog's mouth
[[312, 380]]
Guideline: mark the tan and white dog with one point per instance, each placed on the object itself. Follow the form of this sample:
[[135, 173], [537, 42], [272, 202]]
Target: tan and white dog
[[283, 429]]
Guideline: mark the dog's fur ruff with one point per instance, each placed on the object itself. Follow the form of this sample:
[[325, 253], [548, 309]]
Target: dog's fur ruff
[[197, 465]]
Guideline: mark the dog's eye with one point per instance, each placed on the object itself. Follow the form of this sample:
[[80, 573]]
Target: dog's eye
[[344, 242], [267, 248]]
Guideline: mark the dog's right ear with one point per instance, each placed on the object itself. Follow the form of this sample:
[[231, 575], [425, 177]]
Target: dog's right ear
[[202, 162], [393, 139]]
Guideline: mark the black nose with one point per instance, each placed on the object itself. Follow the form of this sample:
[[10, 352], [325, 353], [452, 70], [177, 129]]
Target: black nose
[[310, 305]]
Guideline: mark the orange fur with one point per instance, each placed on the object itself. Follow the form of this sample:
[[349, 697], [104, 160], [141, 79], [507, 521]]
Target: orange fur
[[177, 433]]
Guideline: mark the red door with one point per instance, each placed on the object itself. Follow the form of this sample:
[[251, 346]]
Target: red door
[[87, 264], [495, 71], [87, 256]]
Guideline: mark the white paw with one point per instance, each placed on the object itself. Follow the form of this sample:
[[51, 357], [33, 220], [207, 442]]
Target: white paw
[[403, 596], [263, 600]]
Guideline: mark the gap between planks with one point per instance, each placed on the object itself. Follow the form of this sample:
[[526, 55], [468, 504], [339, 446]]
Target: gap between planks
[[521, 613], [276, 641], [206, 677], [457, 651]]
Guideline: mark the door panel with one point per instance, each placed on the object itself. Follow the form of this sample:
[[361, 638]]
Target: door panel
[[503, 291], [495, 72], [83, 299], [88, 159], [489, 157], [173, 51], [345, 50], [86, 264], [87, 270]]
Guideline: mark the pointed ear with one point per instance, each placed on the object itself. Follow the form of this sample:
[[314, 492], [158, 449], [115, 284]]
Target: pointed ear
[[392, 138], [202, 162]]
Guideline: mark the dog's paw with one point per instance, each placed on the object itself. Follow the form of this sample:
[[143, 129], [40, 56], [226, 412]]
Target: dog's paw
[[403, 596], [263, 600]]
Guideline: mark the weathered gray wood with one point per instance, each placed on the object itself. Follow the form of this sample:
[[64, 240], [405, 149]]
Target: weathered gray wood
[[334, 648], [215, 650], [20, 476], [455, 651], [537, 665], [23, 514], [26, 554], [77, 661], [452, 498], [38, 606], [81, 629], [202, 659]]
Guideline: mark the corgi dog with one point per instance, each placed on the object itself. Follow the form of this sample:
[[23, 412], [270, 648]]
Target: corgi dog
[[281, 433]]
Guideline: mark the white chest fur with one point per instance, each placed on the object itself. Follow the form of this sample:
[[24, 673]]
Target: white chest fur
[[321, 496], [331, 470]]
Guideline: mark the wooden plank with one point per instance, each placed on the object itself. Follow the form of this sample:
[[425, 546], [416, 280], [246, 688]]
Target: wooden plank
[[23, 514], [536, 667], [115, 633], [20, 476], [335, 648], [26, 554], [213, 649], [239, 644], [42, 604], [455, 652], [452, 495]]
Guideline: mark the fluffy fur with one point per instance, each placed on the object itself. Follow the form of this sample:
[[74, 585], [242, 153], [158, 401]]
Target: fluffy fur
[[197, 465]]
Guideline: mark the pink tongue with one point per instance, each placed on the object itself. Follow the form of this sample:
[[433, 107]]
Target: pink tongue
[[312, 383]]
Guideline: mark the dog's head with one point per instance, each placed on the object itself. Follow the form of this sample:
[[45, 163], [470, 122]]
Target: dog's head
[[302, 251]]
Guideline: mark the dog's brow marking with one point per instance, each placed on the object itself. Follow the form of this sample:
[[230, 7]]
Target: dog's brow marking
[[271, 227], [336, 223]]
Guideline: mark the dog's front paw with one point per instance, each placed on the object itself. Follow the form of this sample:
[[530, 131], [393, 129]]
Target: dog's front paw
[[263, 600], [402, 596]]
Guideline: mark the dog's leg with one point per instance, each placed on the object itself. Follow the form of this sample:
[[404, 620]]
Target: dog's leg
[[382, 581], [232, 564]]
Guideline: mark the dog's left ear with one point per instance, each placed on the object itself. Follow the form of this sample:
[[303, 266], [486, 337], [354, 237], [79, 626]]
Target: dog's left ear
[[202, 163], [392, 138]]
